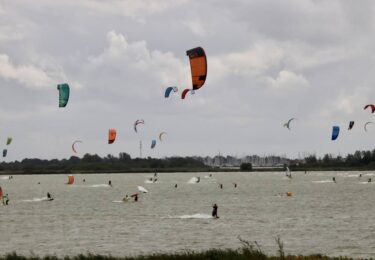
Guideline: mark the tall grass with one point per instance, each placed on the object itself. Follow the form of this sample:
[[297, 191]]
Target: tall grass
[[247, 251]]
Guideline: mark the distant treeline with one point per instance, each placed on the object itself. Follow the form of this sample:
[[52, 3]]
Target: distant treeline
[[94, 163], [362, 160]]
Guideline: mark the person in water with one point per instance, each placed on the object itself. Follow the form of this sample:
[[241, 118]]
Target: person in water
[[6, 199], [214, 211], [126, 198], [84, 180], [369, 180], [334, 179]]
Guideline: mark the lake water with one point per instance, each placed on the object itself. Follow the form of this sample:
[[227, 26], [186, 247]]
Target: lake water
[[321, 216]]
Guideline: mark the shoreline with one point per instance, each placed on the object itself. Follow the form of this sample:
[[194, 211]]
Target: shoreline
[[184, 170]]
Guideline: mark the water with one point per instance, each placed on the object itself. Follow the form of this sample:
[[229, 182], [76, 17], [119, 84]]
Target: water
[[320, 217]]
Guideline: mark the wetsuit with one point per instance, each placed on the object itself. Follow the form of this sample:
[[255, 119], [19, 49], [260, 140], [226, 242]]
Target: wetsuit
[[214, 211]]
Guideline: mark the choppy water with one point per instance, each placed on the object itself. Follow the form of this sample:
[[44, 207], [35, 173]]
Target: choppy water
[[320, 217]]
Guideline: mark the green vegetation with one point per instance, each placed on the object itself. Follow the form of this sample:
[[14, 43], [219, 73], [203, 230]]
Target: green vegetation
[[246, 167], [248, 251], [109, 164], [360, 160]]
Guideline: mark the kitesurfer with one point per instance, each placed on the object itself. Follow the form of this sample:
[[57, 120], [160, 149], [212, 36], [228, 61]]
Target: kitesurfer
[[126, 198], [155, 180], [214, 211], [235, 185], [198, 179], [221, 185], [175, 185], [369, 180], [136, 197], [6, 199], [334, 179], [110, 183], [49, 196], [360, 175], [84, 180]]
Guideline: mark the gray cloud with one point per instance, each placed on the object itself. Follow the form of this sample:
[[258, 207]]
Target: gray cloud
[[268, 61]]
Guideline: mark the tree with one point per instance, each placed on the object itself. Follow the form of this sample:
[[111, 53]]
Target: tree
[[246, 167]]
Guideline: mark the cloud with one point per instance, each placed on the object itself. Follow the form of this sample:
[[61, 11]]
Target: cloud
[[287, 80], [121, 54], [134, 9], [27, 75], [196, 27]]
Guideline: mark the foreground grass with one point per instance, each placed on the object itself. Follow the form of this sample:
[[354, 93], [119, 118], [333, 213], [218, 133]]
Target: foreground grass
[[248, 251]]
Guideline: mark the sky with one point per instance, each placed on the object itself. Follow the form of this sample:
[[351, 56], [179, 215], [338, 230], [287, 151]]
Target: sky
[[268, 61]]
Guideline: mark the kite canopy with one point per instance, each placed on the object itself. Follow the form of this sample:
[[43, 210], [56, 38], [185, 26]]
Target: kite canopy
[[73, 145], [198, 65], [153, 144], [183, 94], [365, 126], [161, 135], [111, 135], [63, 94], [351, 124], [136, 123], [5, 151], [70, 179], [371, 106], [335, 132], [287, 123], [9, 140], [169, 90]]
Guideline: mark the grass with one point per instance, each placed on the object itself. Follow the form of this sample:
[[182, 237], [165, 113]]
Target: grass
[[248, 251]]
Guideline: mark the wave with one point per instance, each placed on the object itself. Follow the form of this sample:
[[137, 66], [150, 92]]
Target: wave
[[4, 177], [37, 199], [193, 180], [324, 181], [194, 216], [92, 186]]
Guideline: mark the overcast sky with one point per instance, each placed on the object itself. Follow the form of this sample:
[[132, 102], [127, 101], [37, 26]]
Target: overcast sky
[[268, 61]]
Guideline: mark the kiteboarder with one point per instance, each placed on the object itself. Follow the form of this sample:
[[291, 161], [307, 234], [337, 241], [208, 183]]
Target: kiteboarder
[[6, 199], [49, 196], [235, 185], [221, 185], [198, 179], [175, 185], [126, 198], [334, 179], [136, 197], [369, 180], [110, 183], [214, 211]]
